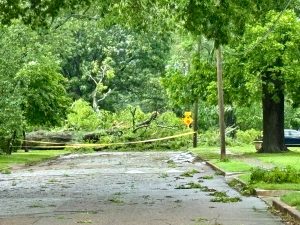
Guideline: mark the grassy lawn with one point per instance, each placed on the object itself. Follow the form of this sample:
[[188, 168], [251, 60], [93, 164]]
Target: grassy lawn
[[232, 165], [282, 160], [292, 199], [261, 185], [26, 158], [242, 159]]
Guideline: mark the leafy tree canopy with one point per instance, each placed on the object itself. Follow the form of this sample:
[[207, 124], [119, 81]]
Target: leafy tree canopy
[[44, 97], [278, 53], [36, 12], [30, 81], [136, 59]]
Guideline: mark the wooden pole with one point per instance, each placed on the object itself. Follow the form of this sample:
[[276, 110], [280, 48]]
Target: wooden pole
[[195, 123], [221, 101]]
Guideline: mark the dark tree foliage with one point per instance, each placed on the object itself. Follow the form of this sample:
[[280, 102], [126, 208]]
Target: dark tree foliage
[[36, 12], [217, 20]]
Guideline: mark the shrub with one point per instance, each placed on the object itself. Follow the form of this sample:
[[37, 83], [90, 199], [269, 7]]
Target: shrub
[[170, 119], [249, 117], [275, 175], [209, 138], [82, 116], [129, 125], [166, 124], [106, 119], [247, 137]]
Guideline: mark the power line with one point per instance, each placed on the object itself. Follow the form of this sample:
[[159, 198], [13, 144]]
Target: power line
[[271, 29]]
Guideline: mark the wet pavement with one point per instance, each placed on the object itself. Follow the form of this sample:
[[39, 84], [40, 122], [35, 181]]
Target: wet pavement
[[132, 188]]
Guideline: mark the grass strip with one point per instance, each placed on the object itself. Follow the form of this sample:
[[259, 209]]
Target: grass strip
[[243, 158], [27, 158], [292, 199]]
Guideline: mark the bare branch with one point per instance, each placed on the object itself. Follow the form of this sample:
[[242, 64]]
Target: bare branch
[[90, 76], [139, 127], [105, 95], [147, 122]]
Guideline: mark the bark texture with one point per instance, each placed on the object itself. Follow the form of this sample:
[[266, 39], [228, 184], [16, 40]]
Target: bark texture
[[221, 101], [273, 113]]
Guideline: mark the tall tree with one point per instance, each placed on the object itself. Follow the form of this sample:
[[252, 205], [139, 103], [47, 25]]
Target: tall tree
[[190, 71], [137, 59], [32, 90], [44, 98], [270, 68], [218, 21], [11, 59]]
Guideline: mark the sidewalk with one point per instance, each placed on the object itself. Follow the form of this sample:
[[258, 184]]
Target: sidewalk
[[271, 197]]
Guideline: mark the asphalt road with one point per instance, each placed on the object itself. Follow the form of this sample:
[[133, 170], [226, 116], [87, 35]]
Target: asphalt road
[[140, 188]]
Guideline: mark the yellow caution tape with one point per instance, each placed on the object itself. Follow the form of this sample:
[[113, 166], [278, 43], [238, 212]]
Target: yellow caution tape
[[60, 145], [42, 142]]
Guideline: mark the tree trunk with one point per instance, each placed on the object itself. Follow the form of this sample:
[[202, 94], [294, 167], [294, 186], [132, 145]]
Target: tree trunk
[[195, 123], [12, 142], [273, 114], [95, 102], [221, 101], [24, 141]]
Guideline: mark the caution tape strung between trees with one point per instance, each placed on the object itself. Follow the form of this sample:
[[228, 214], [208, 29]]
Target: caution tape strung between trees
[[78, 145]]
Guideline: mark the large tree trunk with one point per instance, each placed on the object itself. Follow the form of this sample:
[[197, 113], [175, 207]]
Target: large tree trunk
[[273, 114]]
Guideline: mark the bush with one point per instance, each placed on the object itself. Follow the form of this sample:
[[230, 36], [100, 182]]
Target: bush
[[209, 138], [128, 125], [291, 116], [82, 116], [170, 119], [106, 119], [249, 117], [275, 175], [247, 137], [166, 124]]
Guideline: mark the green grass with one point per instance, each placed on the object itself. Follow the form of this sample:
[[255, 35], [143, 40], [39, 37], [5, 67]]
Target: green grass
[[284, 186], [261, 185], [243, 158], [232, 165], [27, 158], [282, 159], [245, 177], [292, 199]]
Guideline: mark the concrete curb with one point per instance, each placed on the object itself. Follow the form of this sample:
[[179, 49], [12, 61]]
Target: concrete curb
[[214, 167], [277, 204], [286, 209], [271, 193]]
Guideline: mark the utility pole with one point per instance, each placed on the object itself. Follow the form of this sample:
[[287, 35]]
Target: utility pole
[[196, 102], [195, 124], [221, 101]]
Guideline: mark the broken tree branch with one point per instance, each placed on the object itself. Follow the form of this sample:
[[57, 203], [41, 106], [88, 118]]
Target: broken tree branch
[[146, 123]]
